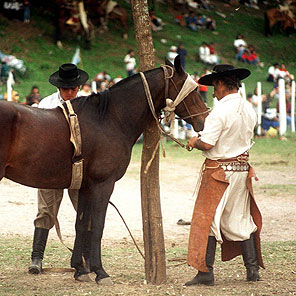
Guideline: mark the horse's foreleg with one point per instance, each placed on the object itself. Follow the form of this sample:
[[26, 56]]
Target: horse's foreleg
[[100, 199]]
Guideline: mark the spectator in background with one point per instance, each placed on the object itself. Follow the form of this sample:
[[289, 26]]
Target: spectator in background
[[130, 63], [181, 19], [239, 41], [284, 73], [156, 22], [203, 89], [272, 72], [195, 77], [201, 22], [172, 53], [182, 52], [210, 23], [117, 79], [85, 90], [191, 21], [214, 56], [34, 97], [240, 45], [27, 11], [100, 77], [206, 56], [4, 72]]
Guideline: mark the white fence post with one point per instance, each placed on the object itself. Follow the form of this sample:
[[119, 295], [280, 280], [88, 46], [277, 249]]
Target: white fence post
[[94, 86], [10, 81], [259, 107], [293, 106], [176, 129], [282, 107], [242, 91]]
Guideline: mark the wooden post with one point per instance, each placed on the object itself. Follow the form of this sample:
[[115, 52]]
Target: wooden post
[[155, 266]]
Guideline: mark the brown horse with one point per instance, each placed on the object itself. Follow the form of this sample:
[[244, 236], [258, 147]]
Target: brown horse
[[274, 16], [110, 125]]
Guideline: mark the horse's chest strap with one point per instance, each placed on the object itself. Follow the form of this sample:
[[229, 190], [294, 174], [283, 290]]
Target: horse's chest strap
[[75, 139]]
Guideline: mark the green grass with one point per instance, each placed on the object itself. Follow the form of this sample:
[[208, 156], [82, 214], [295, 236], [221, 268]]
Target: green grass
[[35, 45]]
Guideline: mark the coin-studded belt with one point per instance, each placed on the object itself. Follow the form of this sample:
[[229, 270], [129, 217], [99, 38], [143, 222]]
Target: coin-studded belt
[[234, 166]]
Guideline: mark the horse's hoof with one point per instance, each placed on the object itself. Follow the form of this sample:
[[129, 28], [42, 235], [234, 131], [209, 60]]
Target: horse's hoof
[[105, 281], [83, 278]]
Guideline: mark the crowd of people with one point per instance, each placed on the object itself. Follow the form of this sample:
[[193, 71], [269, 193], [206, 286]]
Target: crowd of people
[[195, 22]]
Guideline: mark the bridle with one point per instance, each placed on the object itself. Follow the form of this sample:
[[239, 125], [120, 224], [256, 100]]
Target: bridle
[[170, 104], [169, 78]]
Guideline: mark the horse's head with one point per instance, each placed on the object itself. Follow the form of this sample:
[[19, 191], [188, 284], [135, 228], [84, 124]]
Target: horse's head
[[191, 107]]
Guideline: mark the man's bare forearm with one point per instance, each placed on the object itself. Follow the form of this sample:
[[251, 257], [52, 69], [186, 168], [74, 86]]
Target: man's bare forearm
[[197, 143]]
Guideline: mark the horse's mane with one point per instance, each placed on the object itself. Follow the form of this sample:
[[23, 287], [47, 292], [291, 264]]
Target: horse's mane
[[98, 102]]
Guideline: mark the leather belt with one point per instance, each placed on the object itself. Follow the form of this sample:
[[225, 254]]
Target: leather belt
[[234, 164]]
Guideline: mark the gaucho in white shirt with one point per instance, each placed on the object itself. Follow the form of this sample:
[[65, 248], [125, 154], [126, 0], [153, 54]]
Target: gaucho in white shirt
[[225, 209]]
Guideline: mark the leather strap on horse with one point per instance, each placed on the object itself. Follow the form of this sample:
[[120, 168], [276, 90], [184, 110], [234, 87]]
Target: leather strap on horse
[[75, 138]]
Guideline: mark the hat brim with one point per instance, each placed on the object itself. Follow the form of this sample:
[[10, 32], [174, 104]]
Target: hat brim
[[240, 73], [55, 80]]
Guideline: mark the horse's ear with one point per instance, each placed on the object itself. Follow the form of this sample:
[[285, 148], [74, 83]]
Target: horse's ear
[[167, 62], [177, 64]]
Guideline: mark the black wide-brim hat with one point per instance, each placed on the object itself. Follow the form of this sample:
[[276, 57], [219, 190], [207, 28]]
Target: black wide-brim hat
[[224, 70], [68, 76]]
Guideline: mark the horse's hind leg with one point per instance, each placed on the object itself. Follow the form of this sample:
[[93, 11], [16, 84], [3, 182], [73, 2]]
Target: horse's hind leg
[[99, 203], [81, 241]]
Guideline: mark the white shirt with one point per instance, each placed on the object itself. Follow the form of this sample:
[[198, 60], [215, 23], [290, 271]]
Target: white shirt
[[239, 42], [229, 127], [51, 101], [130, 62], [171, 56]]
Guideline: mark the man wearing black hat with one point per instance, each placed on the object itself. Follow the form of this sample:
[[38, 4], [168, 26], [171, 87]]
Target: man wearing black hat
[[225, 209], [68, 79]]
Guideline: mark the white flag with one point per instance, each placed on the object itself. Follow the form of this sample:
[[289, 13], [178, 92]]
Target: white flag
[[76, 58], [10, 82]]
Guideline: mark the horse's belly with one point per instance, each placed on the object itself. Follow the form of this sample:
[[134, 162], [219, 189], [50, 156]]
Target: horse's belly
[[47, 175]]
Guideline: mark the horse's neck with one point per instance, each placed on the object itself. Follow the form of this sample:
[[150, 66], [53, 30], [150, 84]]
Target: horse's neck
[[129, 102]]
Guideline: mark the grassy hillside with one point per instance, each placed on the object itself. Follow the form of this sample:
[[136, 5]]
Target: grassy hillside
[[34, 43]]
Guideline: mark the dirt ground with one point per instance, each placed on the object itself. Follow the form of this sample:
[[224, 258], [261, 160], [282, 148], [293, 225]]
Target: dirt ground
[[275, 196], [18, 205]]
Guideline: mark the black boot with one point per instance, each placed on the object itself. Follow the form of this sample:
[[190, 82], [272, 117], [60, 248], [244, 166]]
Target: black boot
[[39, 243], [206, 278], [250, 258]]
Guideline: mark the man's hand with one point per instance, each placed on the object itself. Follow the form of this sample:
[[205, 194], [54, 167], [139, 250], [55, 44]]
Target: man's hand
[[191, 142], [197, 143]]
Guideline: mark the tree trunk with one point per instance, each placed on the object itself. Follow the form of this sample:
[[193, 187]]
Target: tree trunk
[[155, 266]]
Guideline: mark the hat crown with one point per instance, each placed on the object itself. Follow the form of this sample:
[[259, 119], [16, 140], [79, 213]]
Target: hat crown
[[68, 72], [222, 68]]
